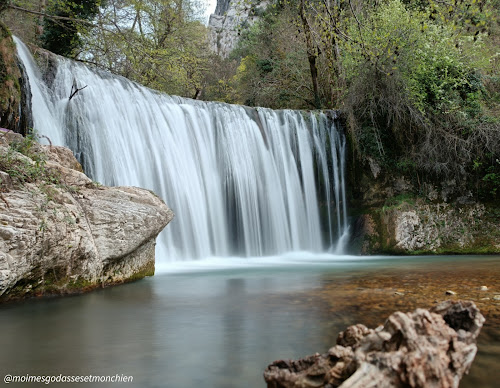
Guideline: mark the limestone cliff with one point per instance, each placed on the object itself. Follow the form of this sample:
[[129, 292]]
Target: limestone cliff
[[228, 21], [60, 232]]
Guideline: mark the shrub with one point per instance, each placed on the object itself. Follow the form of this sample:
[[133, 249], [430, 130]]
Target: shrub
[[417, 98]]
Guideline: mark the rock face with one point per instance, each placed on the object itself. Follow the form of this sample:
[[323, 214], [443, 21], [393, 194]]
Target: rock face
[[419, 226], [62, 233], [10, 90], [229, 19], [13, 91], [442, 219], [419, 349]]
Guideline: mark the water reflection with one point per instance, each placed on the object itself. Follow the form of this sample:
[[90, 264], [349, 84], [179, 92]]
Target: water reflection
[[233, 323]]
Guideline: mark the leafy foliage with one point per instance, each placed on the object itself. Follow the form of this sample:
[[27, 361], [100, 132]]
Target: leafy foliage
[[428, 99], [63, 37], [29, 168], [272, 69], [419, 81], [3, 5], [161, 43]]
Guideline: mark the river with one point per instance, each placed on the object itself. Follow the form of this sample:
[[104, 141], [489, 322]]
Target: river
[[211, 324]]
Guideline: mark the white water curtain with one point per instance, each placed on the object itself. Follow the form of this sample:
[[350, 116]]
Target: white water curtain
[[240, 181]]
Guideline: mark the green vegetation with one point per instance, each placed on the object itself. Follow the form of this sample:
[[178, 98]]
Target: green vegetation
[[25, 162], [64, 36], [273, 67], [418, 103], [161, 44], [418, 81], [49, 283], [399, 201]]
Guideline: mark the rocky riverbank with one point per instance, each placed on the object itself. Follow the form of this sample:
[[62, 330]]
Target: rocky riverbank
[[62, 233]]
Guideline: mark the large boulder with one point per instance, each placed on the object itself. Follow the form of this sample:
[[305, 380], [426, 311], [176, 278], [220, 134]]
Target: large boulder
[[60, 232], [424, 349]]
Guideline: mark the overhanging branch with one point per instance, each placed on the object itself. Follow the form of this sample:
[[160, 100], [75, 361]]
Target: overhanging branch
[[53, 17]]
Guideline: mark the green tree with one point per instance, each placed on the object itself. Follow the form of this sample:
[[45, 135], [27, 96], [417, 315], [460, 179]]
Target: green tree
[[161, 44], [274, 69], [62, 36]]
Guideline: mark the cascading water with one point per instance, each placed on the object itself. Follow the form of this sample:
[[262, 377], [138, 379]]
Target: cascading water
[[241, 181]]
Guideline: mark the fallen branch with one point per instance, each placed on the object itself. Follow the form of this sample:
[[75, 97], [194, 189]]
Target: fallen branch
[[46, 137], [75, 89]]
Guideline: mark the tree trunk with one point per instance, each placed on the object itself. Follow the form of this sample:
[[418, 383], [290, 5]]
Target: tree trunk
[[312, 54], [41, 19]]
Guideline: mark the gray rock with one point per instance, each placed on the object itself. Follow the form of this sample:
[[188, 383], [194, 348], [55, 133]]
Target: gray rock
[[374, 167], [425, 348], [72, 235], [436, 228]]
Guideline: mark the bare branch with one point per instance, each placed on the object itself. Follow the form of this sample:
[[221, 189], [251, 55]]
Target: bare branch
[[53, 17], [75, 89]]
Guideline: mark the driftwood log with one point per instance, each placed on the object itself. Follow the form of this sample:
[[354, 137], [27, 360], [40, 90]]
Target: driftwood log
[[425, 348]]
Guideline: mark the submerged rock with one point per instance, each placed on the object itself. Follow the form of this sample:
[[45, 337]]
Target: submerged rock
[[60, 232], [425, 348]]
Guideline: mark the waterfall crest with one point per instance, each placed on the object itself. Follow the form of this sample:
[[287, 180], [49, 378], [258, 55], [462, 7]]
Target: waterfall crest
[[241, 181]]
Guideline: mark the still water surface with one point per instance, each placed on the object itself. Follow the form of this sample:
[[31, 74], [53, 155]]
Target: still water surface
[[217, 326]]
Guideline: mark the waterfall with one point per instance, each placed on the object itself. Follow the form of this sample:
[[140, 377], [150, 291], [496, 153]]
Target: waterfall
[[241, 181]]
